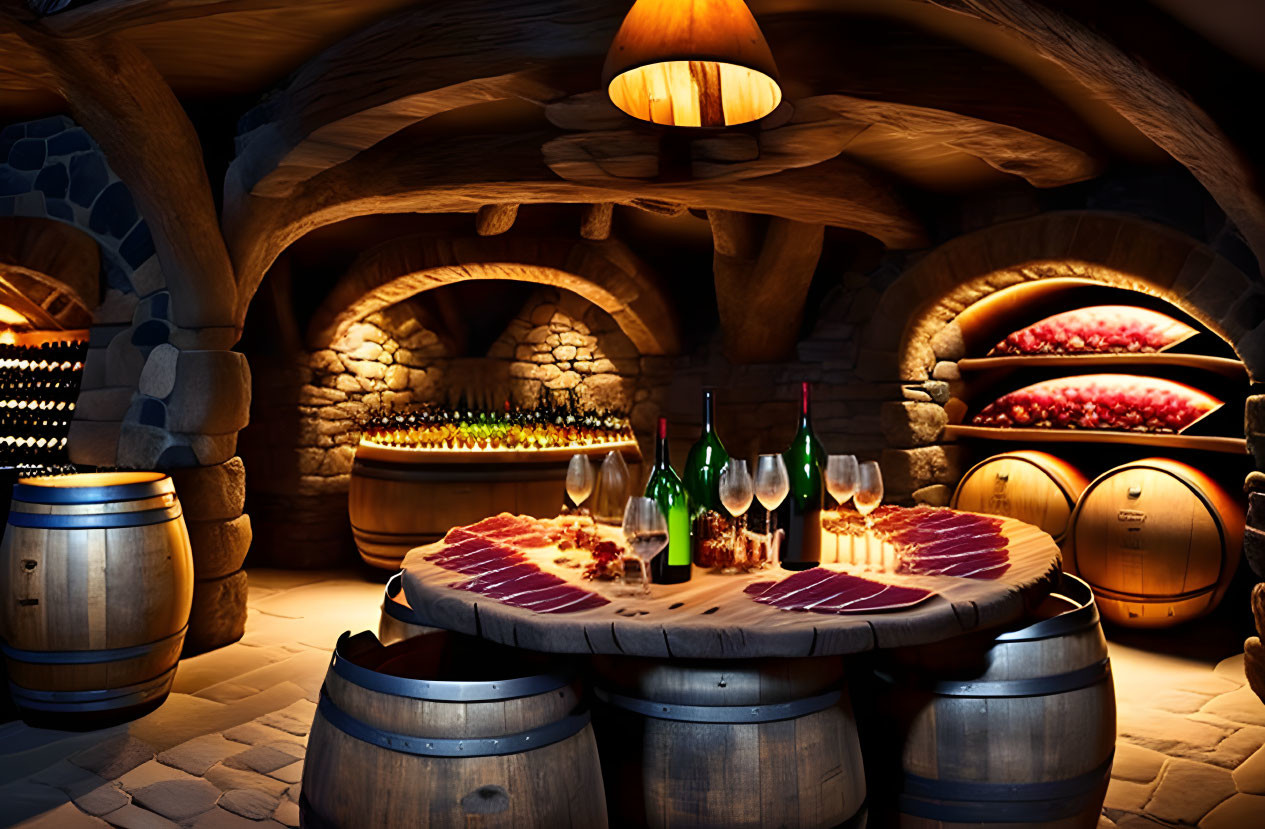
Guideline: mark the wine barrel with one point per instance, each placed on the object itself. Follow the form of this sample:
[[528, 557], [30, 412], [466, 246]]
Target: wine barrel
[[722, 744], [1016, 729], [399, 621], [96, 577], [445, 731], [400, 499], [1158, 540], [1034, 487]]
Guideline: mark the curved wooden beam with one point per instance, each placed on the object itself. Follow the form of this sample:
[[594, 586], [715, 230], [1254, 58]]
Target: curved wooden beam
[[605, 273], [461, 173], [66, 260], [1160, 110]]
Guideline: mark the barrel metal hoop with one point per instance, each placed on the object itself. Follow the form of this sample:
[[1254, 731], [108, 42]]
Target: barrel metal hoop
[[103, 521], [457, 473], [1074, 621], [88, 657], [972, 802], [1007, 688], [97, 700], [545, 735], [444, 690], [91, 494], [392, 608], [1153, 598], [721, 714]]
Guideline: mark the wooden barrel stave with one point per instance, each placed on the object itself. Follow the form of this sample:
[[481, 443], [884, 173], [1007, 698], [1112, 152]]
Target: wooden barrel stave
[[399, 621], [763, 743], [374, 732], [396, 505], [1034, 487], [97, 576], [1158, 540], [1014, 729]]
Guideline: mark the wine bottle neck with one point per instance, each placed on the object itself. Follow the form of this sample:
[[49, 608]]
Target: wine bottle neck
[[661, 460], [708, 413]]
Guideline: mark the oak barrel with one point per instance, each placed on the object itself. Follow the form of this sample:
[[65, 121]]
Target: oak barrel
[[399, 499], [1158, 540], [1034, 487], [96, 577], [754, 743], [448, 731], [399, 621], [1017, 728]]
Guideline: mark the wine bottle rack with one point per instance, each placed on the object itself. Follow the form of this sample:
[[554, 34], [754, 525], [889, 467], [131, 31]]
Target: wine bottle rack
[[39, 385]]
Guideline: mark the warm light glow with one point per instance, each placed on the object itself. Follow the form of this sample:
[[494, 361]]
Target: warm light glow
[[8, 316], [1118, 402], [7, 337], [692, 63]]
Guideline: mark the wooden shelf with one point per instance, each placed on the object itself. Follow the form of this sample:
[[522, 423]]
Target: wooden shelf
[[377, 452], [1234, 446], [1219, 365]]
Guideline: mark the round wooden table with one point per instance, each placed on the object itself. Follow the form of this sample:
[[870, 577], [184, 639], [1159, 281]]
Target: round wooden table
[[709, 617], [720, 711]]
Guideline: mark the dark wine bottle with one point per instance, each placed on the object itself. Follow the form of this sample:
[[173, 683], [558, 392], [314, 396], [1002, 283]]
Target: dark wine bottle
[[702, 484], [672, 566], [800, 513]]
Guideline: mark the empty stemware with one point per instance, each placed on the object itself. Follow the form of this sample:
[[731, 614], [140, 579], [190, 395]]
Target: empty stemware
[[646, 529], [772, 483], [868, 495], [737, 490], [841, 482], [612, 488], [580, 480]]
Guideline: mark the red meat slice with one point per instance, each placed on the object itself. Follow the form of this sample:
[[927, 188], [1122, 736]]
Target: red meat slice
[[521, 585], [893, 596], [757, 587], [585, 601], [484, 582], [789, 586], [834, 592]]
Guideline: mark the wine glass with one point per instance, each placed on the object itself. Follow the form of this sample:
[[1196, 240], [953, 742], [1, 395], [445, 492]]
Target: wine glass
[[772, 483], [580, 480], [646, 529], [736, 491], [868, 495], [841, 482], [612, 488]]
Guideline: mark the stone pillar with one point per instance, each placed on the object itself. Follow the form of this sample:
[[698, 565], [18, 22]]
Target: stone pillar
[[212, 498], [1254, 540]]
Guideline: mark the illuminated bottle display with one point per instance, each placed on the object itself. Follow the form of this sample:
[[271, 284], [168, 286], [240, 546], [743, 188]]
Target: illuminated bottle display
[[800, 513], [672, 566], [702, 483]]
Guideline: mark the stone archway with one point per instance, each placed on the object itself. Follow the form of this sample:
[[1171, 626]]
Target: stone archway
[[1116, 250], [49, 272], [606, 273]]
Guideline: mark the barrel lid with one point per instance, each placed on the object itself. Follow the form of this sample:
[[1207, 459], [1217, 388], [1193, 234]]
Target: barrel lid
[[92, 487]]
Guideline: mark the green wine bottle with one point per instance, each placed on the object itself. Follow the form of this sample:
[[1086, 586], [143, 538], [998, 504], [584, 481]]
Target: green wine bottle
[[672, 566], [702, 483], [800, 513]]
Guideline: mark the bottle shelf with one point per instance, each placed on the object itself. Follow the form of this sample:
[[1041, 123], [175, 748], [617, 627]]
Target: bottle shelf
[[1218, 365], [1236, 446]]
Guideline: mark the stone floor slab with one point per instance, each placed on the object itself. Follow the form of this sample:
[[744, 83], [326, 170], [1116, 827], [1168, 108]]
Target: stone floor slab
[[262, 759], [24, 800], [115, 756], [256, 734], [134, 817], [293, 719], [102, 800], [1136, 764], [287, 813], [1241, 706], [177, 800], [227, 779], [1126, 796], [199, 754], [219, 818], [250, 803], [1188, 790], [64, 816], [1242, 811], [1249, 777], [292, 773], [150, 773]]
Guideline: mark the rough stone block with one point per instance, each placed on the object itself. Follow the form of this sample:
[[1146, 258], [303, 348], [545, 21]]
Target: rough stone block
[[1254, 665], [211, 393], [936, 495], [218, 616], [907, 470], [219, 547], [911, 423], [1254, 549], [946, 370], [210, 450], [212, 492], [158, 377], [93, 444], [116, 308], [141, 446], [123, 361], [103, 405], [1258, 610], [948, 343]]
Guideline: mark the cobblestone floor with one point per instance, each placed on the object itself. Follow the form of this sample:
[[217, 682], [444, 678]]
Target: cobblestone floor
[[226, 749]]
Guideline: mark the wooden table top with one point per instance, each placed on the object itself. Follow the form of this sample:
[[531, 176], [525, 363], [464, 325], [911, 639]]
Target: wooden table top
[[710, 617]]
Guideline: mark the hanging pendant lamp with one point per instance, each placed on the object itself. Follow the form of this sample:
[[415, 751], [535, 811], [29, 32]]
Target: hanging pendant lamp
[[691, 63]]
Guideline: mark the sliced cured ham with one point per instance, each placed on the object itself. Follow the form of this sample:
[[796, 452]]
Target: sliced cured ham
[[827, 591], [490, 553], [935, 541]]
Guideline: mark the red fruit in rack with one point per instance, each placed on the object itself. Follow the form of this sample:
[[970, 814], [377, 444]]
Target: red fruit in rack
[[1097, 329], [1100, 401]]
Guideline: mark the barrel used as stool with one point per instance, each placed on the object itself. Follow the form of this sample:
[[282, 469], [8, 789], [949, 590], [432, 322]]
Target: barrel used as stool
[[1034, 487], [446, 731], [1158, 541], [403, 498], [727, 744], [96, 578], [399, 621], [1016, 728]]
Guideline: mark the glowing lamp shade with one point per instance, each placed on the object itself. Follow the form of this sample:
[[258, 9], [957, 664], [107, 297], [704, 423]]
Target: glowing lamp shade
[[691, 63]]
